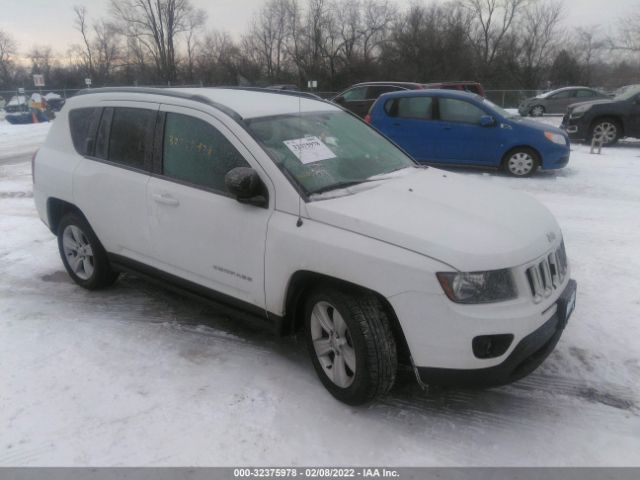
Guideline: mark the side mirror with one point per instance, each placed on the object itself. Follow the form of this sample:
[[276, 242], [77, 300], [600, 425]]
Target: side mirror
[[340, 99], [245, 184], [487, 121]]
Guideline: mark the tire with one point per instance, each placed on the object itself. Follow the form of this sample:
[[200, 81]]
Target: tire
[[537, 111], [361, 349], [607, 128], [521, 162], [83, 256]]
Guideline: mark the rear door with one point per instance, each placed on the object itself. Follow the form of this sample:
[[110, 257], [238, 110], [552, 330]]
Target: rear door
[[461, 138], [198, 231], [110, 186], [408, 121]]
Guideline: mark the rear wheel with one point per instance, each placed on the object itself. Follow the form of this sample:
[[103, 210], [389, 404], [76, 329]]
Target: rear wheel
[[521, 162], [350, 343], [537, 111], [82, 253], [606, 131]]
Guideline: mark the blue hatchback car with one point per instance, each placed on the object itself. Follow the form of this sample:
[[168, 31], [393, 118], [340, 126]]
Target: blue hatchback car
[[457, 128]]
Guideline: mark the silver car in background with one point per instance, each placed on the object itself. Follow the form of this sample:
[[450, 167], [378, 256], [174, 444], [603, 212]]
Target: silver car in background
[[557, 101]]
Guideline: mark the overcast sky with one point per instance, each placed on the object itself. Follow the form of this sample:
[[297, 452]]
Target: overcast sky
[[50, 22]]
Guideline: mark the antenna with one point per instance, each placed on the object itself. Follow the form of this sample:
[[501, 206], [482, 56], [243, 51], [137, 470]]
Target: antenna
[[299, 222]]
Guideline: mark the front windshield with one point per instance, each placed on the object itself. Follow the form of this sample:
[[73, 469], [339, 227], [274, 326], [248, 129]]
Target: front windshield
[[498, 109], [628, 93], [322, 151]]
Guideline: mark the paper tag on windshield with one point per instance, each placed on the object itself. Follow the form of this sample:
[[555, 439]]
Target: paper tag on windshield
[[309, 149]]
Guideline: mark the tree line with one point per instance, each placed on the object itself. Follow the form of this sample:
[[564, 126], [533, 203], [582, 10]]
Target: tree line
[[505, 44]]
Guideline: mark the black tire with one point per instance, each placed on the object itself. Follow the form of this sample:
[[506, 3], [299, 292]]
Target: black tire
[[102, 275], [537, 111], [606, 124], [370, 338], [525, 151]]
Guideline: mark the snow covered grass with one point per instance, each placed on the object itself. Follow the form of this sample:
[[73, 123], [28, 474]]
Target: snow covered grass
[[137, 376]]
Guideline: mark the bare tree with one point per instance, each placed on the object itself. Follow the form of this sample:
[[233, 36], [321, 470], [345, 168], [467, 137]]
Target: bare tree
[[195, 21], [589, 43], [7, 51], [489, 22], [537, 41], [86, 53], [155, 25]]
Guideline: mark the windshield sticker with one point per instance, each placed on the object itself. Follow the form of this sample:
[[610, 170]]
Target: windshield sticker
[[309, 149]]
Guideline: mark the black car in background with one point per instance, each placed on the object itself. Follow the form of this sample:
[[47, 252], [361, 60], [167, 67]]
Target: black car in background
[[359, 98], [605, 120]]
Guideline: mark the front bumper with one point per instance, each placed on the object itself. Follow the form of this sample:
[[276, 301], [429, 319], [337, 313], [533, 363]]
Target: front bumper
[[576, 128], [530, 352]]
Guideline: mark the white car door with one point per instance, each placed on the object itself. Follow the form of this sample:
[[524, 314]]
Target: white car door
[[110, 186], [199, 232]]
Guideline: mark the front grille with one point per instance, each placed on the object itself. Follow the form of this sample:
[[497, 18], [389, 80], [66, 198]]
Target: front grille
[[547, 275]]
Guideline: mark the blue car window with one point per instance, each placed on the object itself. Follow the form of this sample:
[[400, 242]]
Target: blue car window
[[415, 107], [459, 111]]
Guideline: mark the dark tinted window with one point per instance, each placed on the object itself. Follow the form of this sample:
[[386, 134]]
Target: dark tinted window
[[454, 110], [585, 94], [410, 107], [130, 137], [377, 90], [355, 94], [82, 123], [197, 153]]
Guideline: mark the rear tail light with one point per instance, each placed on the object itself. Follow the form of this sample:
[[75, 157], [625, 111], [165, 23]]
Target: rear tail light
[[367, 119], [33, 166]]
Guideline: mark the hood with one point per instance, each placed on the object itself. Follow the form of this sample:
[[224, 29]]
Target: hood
[[536, 125], [602, 101], [465, 223]]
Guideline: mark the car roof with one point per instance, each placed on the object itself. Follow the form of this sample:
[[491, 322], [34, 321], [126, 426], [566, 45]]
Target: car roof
[[435, 92], [395, 84], [237, 102]]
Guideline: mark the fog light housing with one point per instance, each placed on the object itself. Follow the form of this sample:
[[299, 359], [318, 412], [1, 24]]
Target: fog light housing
[[491, 346]]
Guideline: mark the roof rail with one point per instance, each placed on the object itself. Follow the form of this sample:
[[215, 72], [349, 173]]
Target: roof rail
[[291, 93], [168, 92]]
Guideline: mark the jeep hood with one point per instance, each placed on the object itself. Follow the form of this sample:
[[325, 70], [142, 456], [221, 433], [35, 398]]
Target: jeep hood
[[467, 224], [603, 101]]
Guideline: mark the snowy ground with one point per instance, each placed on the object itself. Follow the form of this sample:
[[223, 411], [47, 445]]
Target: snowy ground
[[137, 376]]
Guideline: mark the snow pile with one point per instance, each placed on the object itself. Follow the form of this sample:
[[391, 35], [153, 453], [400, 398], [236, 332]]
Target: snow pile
[[21, 140]]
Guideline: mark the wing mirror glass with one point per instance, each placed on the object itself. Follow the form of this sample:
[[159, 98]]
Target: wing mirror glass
[[487, 121], [339, 99], [245, 184]]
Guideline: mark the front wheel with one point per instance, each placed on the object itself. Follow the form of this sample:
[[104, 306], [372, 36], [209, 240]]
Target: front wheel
[[350, 343], [537, 111], [606, 131], [82, 253], [521, 162]]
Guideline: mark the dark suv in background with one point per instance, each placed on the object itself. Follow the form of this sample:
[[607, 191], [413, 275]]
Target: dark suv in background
[[360, 97], [606, 120]]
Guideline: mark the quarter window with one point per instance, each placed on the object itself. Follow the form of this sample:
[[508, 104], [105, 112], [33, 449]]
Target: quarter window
[[196, 153], [459, 111], [130, 137], [83, 122]]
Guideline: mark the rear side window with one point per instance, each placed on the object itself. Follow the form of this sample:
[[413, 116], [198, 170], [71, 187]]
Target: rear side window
[[195, 152], [415, 107], [82, 123], [130, 137], [585, 94], [459, 111]]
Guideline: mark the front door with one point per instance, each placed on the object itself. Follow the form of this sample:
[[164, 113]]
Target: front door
[[199, 232]]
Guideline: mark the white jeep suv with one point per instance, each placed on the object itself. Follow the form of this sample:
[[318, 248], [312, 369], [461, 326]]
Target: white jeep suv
[[297, 212]]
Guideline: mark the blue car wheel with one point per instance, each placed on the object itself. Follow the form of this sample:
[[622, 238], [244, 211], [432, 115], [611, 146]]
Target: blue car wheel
[[521, 162]]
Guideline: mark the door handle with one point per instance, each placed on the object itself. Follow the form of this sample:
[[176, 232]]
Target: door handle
[[165, 199]]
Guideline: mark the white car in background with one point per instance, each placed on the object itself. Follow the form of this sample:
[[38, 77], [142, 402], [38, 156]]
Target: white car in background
[[296, 212]]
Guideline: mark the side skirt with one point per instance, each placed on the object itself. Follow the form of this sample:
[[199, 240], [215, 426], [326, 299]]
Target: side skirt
[[224, 303]]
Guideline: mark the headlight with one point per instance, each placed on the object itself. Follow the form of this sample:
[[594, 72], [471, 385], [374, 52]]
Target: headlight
[[478, 287], [556, 138]]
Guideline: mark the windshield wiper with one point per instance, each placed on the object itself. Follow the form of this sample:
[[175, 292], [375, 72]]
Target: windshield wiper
[[336, 186]]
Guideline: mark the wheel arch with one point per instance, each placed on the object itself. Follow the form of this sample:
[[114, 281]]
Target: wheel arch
[[302, 281], [619, 120], [57, 209]]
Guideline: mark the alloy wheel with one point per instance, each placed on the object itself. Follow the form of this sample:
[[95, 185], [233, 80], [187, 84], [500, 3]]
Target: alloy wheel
[[78, 252], [606, 132], [333, 344], [537, 111]]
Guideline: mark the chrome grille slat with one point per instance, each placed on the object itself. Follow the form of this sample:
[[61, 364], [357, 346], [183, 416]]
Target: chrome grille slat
[[548, 274]]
